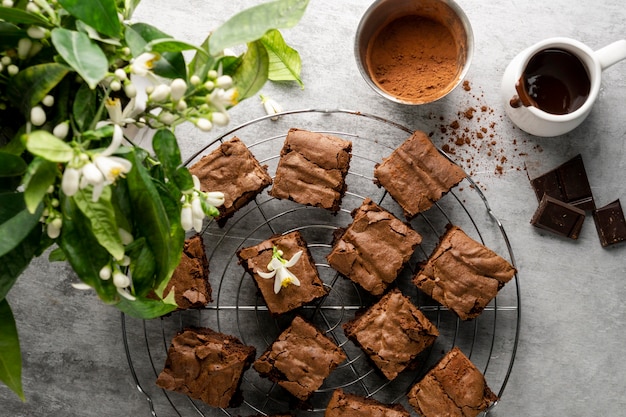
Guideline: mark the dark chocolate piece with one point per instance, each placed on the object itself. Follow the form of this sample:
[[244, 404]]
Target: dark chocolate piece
[[344, 404], [454, 387], [300, 359], [374, 248], [256, 258], [558, 217], [463, 274], [312, 169], [207, 365], [568, 183], [233, 170], [392, 333], [610, 223]]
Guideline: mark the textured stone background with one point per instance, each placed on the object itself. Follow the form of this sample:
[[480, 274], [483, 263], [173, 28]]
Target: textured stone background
[[573, 331]]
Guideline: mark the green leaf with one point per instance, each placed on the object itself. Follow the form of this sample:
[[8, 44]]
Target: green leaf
[[17, 222], [11, 165], [84, 107], [101, 217], [40, 176], [10, 354], [249, 25], [167, 150], [83, 252], [44, 144], [202, 62], [153, 220], [15, 262], [17, 16], [170, 65], [82, 54], [57, 255], [251, 74], [285, 62], [33, 83], [147, 308], [10, 35], [100, 14], [171, 45], [142, 266]]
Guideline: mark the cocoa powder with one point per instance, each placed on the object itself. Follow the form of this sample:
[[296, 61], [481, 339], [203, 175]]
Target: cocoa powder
[[414, 58]]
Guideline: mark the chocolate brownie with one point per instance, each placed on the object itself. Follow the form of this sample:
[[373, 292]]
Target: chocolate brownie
[[190, 280], [312, 169], [463, 274], [344, 404], [207, 365], [392, 333], [256, 258], [300, 359], [233, 170], [373, 248], [454, 387], [417, 175]]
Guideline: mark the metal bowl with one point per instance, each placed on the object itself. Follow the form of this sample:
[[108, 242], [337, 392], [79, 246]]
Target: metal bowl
[[445, 12]]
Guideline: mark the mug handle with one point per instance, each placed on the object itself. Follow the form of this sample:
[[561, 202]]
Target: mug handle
[[611, 54]]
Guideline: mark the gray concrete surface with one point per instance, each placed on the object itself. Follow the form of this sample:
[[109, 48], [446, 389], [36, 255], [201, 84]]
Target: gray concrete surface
[[569, 360]]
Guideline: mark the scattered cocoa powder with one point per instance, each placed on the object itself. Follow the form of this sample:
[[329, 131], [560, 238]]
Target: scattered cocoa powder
[[414, 58], [473, 142]]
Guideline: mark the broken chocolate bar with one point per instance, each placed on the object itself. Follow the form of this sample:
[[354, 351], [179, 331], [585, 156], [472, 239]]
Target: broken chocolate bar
[[558, 217], [610, 223], [568, 183]]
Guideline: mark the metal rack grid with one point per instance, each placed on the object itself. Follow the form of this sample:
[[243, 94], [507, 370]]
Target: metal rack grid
[[490, 340]]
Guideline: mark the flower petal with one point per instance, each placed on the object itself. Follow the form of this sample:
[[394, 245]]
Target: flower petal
[[294, 259], [266, 275]]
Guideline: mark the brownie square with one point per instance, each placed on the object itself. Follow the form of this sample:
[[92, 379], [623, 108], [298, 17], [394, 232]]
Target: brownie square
[[561, 218], [392, 333], [373, 248], [233, 170], [417, 175], [463, 274], [610, 223], [300, 359], [344, 404], [256, 258], [454, 387], [312, 169], [190, 280], [568, 183], [207, 365]]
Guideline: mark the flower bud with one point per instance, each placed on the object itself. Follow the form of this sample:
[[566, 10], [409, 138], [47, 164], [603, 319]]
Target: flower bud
[[115, 85], [61, 130], [167, 118], [7, 3], [120, 280], [105, 272], [37, 116], [160, 93], [220, 119], [196, 208], [181, 106], [271, 106], [48, 100], [32, 8], [204, 124], [54, 228], [130, 90], [120, 74], [215, 198], [195, 80], [126, 237], [224, 81], [5, 60], [178, 89], [13, 69], [36, 32], [23, 47]]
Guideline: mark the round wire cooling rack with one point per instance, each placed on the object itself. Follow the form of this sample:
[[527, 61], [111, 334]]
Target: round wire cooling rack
[[490, 340]]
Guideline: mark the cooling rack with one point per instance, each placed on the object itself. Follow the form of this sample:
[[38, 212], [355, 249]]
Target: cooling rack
[[490, 341]]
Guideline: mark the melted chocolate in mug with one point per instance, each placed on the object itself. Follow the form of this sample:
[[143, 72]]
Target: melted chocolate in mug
[[554, 81]]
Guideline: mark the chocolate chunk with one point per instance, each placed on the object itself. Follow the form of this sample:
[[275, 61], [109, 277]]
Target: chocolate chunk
[[610, 223], [568, 183], [558, 217]]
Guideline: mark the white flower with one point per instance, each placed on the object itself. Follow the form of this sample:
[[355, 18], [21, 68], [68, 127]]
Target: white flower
[[112, 167], [144, 63], [91, 175], [80, 286], [118, 115], [215, 198], [278, 268], [186, 217]]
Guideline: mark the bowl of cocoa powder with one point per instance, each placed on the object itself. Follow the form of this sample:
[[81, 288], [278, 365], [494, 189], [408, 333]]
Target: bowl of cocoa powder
[[414, 51]]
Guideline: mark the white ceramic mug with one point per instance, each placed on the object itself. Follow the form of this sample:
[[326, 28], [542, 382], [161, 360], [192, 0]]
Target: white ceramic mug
[[541, 123]]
